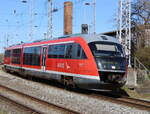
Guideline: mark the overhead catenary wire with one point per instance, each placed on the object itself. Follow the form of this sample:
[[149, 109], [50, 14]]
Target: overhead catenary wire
[[31, 21]]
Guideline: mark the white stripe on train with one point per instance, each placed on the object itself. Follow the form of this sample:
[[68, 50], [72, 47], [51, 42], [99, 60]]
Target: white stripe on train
[[57, 72], [49, 44]]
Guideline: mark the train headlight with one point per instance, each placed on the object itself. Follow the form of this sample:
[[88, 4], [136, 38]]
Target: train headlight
[[113, 67], [99, 64]]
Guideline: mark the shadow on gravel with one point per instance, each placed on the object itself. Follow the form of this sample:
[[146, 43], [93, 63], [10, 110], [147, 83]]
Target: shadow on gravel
[[115, 94]]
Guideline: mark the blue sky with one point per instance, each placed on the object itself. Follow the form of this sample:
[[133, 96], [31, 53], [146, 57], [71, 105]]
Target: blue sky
[[15, 19]]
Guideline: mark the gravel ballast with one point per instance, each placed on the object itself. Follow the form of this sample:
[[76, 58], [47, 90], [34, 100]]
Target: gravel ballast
[[8, 107], [75, 101]]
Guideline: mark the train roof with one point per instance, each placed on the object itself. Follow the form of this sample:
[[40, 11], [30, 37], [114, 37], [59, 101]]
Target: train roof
[[92, 37], [99, 37], [87, 37]]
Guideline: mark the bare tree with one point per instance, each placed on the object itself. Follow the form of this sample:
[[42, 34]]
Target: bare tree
[[140, 21], [141, 31]]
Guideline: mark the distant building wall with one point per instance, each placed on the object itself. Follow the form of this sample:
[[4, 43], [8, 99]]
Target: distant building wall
[[147, 37], [139, 35]]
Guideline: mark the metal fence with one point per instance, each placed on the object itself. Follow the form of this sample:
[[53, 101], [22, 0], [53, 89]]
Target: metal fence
[[142, 72]]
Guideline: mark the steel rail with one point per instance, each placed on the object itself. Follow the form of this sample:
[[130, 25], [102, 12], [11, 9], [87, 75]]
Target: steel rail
[[22, 107], [10, 93], [124, 100]]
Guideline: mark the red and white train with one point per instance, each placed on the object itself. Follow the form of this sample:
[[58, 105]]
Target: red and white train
[[85, 61]]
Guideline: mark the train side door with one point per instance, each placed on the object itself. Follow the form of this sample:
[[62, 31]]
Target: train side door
[[44, 50]]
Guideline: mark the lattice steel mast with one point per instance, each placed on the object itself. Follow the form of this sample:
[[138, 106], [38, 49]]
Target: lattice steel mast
[[50, 26], [94, 16], [124, 27], [31, 8]]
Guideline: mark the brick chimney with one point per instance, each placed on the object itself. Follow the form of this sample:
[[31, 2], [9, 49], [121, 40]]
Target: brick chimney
[[68, 17]]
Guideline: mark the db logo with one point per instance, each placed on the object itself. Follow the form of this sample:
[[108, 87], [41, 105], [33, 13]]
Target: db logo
[[60, 65]]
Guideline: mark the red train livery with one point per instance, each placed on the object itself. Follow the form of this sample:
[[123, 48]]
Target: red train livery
[[85, 61]]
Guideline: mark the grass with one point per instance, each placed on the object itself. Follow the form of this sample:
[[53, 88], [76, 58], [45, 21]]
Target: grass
[[149, 76], [134, 94], [2, 112]]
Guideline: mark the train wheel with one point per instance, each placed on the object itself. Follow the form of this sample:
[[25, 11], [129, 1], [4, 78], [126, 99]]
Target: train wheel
[[5, 69], [68, 82], [29, 77], [116, 90]]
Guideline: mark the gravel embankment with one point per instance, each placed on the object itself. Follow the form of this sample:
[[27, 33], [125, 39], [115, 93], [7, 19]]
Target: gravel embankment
[[71, 100], [8, 107]]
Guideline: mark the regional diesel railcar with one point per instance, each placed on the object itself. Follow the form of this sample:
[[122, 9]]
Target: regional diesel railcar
[[85, 61]]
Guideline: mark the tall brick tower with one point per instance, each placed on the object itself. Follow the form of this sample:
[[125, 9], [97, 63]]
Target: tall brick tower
[[68, 17]]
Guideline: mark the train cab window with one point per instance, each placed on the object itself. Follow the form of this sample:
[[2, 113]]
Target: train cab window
[[32, 56], [106, 48], [16, 56], [7, 53], [80, 52]]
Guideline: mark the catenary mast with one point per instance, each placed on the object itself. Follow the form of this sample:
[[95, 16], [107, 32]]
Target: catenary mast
[[50, 19], [124, 27]]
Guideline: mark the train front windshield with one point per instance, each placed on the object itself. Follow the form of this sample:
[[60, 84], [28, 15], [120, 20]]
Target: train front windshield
[[108, 55], [106, 49]]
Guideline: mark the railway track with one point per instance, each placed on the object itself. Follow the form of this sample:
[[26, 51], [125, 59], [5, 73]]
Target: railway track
[[135, 101], [33, 104], [114, 98], [124, 100], [11, 106]]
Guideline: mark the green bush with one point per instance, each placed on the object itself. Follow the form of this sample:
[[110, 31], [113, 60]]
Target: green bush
[[1, 58], [149, 76], [143, 54]]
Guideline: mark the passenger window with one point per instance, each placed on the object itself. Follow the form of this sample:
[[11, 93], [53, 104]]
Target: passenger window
[[61, 51], [16, 55], [32, 56], [69, 51], [7, 53], [56, 51], [66, 51], [52, 50]]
